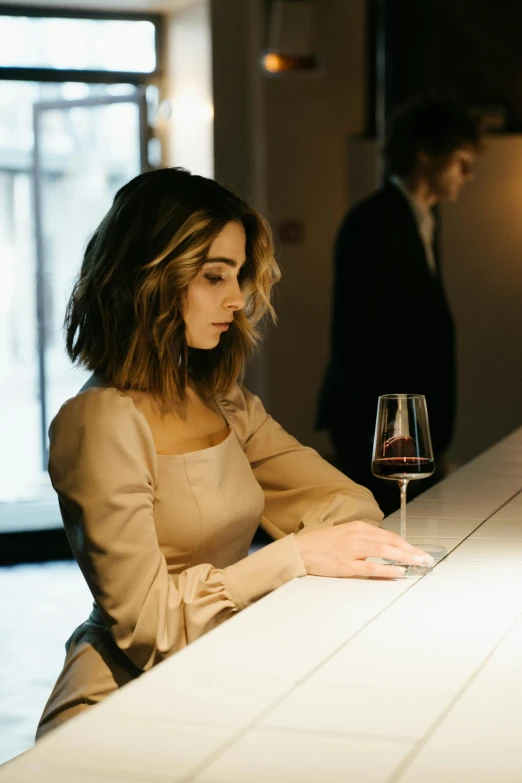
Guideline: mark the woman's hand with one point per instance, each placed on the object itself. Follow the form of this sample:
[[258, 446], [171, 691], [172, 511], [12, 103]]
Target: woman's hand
[[341, 551]]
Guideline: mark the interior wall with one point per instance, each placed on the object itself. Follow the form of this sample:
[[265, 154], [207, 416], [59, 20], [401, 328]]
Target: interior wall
[[186, 116], [231, 78], [482, 251], [308, 121]]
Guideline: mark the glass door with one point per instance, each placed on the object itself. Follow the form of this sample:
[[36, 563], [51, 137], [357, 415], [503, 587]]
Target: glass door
[[84, 151]]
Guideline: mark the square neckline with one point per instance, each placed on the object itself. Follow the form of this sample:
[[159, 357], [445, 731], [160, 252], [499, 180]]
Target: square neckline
[[95, 383]]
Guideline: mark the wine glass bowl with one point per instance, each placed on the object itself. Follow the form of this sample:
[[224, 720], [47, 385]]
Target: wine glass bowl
[[402, 449]]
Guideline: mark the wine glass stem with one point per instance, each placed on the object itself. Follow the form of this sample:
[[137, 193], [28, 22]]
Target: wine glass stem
[[403, 485]]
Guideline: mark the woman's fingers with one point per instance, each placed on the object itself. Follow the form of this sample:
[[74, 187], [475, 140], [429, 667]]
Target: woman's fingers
[[400, 555], [341, 551], [394, 539], [401, 543], [373, 536]]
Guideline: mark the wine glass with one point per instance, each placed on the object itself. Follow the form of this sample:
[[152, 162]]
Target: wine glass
[[402, 448]]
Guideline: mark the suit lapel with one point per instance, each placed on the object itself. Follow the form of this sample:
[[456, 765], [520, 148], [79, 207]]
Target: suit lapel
[[407, 229]]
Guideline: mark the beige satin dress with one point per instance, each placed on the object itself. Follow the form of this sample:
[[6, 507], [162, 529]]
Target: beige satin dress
[[163, 540]]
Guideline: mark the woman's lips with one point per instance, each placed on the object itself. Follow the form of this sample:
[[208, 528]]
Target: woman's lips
[[223, 325]]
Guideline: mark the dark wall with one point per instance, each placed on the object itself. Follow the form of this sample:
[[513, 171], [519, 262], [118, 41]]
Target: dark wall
[[470, 48], [482, 46], [231, 88]]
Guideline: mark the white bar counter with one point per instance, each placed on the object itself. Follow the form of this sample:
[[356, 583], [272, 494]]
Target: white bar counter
[[416, 680]]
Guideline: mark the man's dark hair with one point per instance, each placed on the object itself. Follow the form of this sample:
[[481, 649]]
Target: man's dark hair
[[435, 125]]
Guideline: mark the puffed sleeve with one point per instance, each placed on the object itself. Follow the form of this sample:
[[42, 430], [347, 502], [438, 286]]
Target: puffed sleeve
[[103, 467], [302, 490]]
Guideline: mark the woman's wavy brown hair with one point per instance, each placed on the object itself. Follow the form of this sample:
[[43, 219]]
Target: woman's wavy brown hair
[[124, 319]]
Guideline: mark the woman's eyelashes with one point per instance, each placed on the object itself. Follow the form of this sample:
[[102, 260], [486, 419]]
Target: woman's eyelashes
[[213, 279]]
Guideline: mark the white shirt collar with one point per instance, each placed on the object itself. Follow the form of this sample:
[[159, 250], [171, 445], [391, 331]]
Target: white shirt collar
[[424, 218]]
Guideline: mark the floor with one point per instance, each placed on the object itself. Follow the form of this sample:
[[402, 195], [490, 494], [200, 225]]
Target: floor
[[40, 605]]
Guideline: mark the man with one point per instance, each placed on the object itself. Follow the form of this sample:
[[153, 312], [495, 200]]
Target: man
[[392, 330]]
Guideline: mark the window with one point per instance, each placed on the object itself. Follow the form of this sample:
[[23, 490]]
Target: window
[[75, 92], [79, 44], [72, 42]]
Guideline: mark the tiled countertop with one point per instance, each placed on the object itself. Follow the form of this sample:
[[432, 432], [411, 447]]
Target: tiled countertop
[[327, 681]]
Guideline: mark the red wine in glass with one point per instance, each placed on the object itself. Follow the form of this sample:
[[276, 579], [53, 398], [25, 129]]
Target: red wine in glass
[[400, 460], [402, 448]]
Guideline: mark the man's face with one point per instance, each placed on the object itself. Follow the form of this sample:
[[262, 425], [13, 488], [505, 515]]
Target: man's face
[[448, 176]]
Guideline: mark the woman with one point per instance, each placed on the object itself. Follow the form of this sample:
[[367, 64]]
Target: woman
[[164, 466]]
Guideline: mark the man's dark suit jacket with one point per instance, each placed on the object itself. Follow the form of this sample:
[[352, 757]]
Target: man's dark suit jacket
[[392, 330]]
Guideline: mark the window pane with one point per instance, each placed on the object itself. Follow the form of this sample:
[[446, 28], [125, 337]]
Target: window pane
[[77, 44], [16, 113], [86, 154]]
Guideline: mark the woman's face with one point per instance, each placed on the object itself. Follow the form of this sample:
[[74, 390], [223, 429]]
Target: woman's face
[[214, 296]]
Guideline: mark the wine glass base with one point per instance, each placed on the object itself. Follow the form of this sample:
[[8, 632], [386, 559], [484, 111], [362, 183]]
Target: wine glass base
[[409, 570], [416, 570], [435, 550]]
